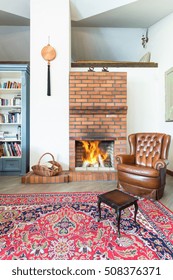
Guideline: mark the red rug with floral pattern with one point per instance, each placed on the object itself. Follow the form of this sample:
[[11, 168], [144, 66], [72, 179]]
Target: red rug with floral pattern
[[64, 226]]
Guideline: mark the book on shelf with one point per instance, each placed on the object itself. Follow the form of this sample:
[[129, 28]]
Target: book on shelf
[[13, 116], [10, 136], [6, 101], [1, 135], [11, 149], [2, 119], [15, 153], [15, 101], [18, 149], [5, 150], [9, 84], [1, 150]]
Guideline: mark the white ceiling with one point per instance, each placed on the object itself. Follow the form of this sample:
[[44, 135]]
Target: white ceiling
[[137, 14], [9, 19], [15, 13]]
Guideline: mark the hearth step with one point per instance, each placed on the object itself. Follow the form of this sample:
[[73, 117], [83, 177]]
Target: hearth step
[[69, 176], [78, 176], [31, 178]]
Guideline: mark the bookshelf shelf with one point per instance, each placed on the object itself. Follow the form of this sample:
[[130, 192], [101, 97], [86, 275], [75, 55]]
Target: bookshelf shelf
[[10, 90], [9, 106], [10, 123], [10, 157], [14, 119], [13, 140]]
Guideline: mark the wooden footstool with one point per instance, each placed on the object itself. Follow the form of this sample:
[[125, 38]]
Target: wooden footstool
[[118, 200]]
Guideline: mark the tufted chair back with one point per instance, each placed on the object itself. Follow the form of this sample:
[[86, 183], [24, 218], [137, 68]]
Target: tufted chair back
[[148, 147]]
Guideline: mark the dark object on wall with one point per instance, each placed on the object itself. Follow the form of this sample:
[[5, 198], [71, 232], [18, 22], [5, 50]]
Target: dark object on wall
[[48, 171], [49, 54], [145, 39], [143, 171]]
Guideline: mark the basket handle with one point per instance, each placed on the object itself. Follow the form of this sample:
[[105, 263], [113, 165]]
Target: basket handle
[[44, 155]]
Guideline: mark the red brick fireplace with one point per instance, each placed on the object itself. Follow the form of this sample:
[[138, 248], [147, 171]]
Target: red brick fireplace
[[98, 111]]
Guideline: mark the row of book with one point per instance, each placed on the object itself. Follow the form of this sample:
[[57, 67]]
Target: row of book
[[10, 84], [11, 135], [15, 101], [11, 117], [11, 149]]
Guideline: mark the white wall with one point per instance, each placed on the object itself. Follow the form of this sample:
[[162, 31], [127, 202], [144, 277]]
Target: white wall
[[161, 46], [49, 115], [121, 44], [146, 86], [14, 43]]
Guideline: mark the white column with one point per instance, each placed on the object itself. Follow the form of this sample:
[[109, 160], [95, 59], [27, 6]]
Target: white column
[[49, 115]]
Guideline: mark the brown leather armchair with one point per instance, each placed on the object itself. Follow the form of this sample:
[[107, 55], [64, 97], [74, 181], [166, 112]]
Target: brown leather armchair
[[143, 171]]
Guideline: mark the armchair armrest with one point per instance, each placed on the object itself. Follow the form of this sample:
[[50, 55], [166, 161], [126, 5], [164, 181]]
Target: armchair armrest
[[122, 158], [160, 163]]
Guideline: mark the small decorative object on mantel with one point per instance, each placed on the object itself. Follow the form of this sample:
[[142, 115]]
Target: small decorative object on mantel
[[105, 69], [50, 168], [91, 69], [49, 54]]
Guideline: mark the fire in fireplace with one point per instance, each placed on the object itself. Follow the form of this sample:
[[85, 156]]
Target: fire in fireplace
[[94, 155]]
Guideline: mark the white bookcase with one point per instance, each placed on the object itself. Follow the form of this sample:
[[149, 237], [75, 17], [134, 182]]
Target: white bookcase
[[14, 119]]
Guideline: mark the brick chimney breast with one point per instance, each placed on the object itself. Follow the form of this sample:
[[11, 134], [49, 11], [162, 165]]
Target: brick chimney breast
[[98, 109]]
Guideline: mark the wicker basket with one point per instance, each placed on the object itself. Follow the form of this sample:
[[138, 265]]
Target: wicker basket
[[46, 171]]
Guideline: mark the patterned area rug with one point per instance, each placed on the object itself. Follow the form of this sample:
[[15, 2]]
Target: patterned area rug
[[64, 226]]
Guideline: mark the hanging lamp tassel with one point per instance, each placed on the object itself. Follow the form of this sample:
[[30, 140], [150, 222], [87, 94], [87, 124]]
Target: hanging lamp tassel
[[48, 80]]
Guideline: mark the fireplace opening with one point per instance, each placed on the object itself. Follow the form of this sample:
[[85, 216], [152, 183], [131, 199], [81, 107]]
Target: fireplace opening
[[94, 155]]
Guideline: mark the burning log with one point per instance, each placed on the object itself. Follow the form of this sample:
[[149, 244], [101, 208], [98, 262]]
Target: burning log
[[93, 156], [101, 162], [87, 164]]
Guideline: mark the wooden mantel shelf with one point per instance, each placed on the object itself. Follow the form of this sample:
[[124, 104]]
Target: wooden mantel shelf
[[98, 137], [114, 64], [97, 110]]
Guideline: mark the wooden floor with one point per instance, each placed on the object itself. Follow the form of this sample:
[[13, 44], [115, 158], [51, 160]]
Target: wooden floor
[[12, 185]]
